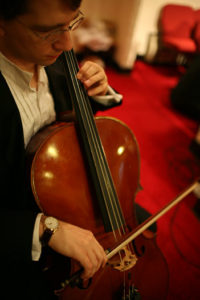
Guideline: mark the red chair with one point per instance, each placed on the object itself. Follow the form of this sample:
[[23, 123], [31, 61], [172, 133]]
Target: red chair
[[196, 33], [197, 15], [176, 24]]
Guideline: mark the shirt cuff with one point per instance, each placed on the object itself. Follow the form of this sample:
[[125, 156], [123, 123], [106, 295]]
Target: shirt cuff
[[110, 98], [36, 245]]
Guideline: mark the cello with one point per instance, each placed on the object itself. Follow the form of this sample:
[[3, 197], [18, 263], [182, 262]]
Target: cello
[[91, 182]]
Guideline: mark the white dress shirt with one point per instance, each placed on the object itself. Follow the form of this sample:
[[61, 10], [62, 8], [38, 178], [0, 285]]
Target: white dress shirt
[[36, 108]]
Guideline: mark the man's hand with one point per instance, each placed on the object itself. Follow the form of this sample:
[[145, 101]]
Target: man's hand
[[94, 78], [81, 245]]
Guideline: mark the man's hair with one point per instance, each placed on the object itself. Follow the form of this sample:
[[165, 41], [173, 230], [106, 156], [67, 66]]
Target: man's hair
[[10, 9]]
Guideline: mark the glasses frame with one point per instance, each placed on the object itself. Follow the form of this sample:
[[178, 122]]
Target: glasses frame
[[51, 36]]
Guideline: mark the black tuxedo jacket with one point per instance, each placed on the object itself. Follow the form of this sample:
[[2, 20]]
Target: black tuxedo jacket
[[185, 96], [21, 277]]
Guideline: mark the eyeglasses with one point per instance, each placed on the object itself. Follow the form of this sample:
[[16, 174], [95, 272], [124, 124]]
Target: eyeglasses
[[53, 35]]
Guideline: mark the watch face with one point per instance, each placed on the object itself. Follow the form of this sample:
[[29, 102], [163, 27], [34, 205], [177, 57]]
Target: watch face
[[51, 223]]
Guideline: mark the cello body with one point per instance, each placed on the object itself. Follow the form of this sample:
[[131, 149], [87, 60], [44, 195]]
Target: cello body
[[62, 186]]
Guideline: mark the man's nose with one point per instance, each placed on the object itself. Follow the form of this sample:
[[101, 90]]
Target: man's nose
[[64, 42]]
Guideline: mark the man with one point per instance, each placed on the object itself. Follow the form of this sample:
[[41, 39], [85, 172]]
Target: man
[[33, 34], [185, 98]]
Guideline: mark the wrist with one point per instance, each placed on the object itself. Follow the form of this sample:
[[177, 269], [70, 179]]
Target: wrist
[[48, 226], [41, 226]]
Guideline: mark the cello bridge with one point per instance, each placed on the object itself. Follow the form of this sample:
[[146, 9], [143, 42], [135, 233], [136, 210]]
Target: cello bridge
[[126, 260]]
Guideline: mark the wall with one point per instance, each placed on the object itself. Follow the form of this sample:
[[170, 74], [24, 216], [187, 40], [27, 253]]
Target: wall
[[123, 15]]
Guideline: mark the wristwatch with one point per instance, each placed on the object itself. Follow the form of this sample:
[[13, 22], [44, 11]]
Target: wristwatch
[[50, 225]]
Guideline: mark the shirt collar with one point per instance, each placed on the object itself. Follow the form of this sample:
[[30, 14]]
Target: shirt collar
[[17, 75]]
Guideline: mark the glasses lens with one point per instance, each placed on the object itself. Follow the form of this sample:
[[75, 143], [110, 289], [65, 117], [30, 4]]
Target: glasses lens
[[53, 36]]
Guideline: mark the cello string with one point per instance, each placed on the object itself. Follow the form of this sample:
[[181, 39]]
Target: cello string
[[73, 67], [96, 143], [103, 163], [124, 285], [75, 83], [87, 114], [94, 134], [84, 107]]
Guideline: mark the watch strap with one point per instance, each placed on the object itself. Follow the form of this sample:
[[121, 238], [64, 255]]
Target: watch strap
[[47, 234]]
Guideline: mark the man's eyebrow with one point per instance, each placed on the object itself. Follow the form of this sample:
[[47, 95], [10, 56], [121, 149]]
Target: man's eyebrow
[[52, 27]]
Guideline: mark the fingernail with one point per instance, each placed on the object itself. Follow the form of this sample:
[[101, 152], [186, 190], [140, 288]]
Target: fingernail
[[87, 82]]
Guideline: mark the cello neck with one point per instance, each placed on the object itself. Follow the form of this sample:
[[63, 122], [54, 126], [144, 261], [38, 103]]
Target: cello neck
[[112, 215]]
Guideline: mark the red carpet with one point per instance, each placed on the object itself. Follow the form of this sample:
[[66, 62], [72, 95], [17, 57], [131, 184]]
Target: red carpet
[[167, 167]]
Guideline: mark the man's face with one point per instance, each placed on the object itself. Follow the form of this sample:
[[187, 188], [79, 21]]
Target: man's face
[[20, 39]]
